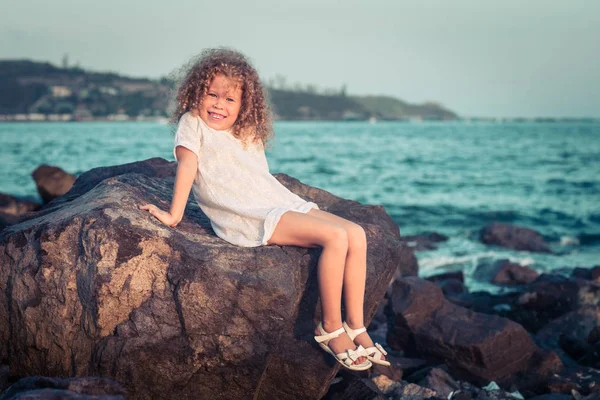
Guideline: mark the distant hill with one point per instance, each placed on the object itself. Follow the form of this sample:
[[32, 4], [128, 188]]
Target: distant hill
[[42, 90]]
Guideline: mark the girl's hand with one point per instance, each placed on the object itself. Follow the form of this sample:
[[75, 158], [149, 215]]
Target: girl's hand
[[163, 216]]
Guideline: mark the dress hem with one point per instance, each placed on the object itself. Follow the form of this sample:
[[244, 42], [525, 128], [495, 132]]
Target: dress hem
[[275, 215]]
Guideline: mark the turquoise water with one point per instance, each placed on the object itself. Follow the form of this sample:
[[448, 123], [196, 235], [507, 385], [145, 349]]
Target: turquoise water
[[449, 177]]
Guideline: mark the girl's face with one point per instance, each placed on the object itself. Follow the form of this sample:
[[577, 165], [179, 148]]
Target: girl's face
[[221, 104]]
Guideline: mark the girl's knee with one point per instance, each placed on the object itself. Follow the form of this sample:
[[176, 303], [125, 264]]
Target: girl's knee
[[357, 238], [336, 236]]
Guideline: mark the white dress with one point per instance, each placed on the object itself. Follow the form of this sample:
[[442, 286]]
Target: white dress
[[233, 186]]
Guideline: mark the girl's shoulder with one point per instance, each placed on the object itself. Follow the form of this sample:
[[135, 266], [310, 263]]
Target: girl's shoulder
[[190, 120]]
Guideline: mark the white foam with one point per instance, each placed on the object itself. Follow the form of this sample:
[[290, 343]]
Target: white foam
[[569, 241]]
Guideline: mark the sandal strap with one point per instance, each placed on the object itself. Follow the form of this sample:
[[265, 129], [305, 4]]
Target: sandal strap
[[378, 350], [349, 356], [353, 332], [328, 336]]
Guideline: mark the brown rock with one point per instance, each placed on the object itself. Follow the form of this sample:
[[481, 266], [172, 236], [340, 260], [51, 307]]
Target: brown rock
[[407, 263], [513, 237], [12, 208], [438, 380], [468, 342], [571, 331], [15, 206], [94, 286], [533, 379], [503, 272], [515, 274], [52, 182]]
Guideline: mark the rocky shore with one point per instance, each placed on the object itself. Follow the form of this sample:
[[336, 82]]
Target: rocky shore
[[112, 305]]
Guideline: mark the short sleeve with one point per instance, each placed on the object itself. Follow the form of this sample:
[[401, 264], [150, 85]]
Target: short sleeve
[[188, 135]]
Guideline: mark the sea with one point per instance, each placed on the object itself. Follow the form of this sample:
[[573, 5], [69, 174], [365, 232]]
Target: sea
[[447, 177]]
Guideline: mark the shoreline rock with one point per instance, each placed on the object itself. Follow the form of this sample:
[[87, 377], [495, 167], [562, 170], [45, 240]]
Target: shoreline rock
[[513, 237], [52, 182], [101, 288]]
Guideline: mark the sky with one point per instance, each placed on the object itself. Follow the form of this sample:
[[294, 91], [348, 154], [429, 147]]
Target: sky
[[479, 58]]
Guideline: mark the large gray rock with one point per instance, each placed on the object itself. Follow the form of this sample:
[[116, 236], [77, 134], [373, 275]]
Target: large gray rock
[[94, 286]]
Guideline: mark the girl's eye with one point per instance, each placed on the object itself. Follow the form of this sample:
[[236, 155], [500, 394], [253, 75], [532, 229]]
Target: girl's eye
[[212, 95], [230, 99]]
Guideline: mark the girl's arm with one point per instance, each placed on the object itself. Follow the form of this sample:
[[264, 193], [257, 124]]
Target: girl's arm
[[187, 166]]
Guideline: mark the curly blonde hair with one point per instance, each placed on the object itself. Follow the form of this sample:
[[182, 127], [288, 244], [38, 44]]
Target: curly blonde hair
[[254, 120]]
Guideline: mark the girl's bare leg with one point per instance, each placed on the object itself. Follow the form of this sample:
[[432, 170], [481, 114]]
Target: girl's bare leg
[[303, 230], [355, 273]]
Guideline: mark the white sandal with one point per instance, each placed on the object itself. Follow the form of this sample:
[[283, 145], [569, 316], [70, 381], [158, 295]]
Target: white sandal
[[377, 349], [346, 358]]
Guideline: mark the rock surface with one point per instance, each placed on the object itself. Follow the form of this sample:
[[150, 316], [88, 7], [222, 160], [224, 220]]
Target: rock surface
[[513, 237], [94, 286]]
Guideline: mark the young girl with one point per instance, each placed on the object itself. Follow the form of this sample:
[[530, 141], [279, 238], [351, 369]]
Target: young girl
[[223, 127]]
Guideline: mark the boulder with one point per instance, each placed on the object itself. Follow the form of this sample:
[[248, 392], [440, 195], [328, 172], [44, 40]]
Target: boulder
[[439, 381], [590, 274], [52, 182], [94, 286], [513, 237], [504, 272], [408, 261], [15, 206], [573, 333], [12, 208], [85, 388], [536, 304], [473, 345], [451, 283], [425, 241], [514, 274]]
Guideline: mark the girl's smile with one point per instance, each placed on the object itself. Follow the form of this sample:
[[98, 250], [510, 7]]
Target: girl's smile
[[221, 104]]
